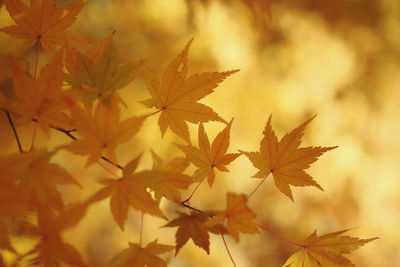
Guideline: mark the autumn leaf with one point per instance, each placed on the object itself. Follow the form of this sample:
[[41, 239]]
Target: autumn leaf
[[137, 256], [51, 250], [285, 160], [165, 179], [125, 192], [176, 96], [196, 227], [43, 22], [239, 217], [41, 99], [101, 132], [326, 250], [98, 74], [208, 157], [37, 178]]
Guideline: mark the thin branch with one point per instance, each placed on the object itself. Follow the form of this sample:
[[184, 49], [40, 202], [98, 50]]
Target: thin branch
[[255, 189], [190, 207], [10, 121], [278, 236], [66, 132], [112, 163], [70, 135], [227, 249]]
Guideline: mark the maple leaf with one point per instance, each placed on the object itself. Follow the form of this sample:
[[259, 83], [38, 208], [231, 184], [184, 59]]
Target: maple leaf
[[166, 179], [176, 96], [285, 160], [42, 22], [51, 249], [238, 216], [326, 250], [125, 192], [101, 132], [36, 179], [196, 227], [206, 158], [39, 99], [97, 74], [137, 256]]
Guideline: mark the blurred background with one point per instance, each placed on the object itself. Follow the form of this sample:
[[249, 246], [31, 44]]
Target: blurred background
[[339, 59]]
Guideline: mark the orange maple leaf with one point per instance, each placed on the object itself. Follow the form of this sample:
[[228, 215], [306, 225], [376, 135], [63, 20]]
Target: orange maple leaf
[[196, 227], [285, 160], [326, 250], [42, 22], [101, 132], [166, 179], [137, 256], [208, 157], [51, 249], [41, 99], [176, 96], [238, 216], [98, 74], [128, 191], [36, 179]]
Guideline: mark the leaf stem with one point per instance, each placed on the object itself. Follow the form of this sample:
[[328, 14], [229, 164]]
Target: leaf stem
[[33, 137], [141, 229], [153, 113], [10, 121], [106, 168], [227, 249], [37, 58], [255, 189], [278, 236], [195, 189]]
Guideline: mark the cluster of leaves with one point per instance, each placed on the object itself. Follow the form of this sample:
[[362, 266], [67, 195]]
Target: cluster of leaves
[[87, 110]]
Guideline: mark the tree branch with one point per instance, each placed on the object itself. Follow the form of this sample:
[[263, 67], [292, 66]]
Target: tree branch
[[10, 121]]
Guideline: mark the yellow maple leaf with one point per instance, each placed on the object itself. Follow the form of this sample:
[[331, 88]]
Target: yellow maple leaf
[[137, 256], [239, 217], [51, 250], [326, 250], [98, 73], [196, 227], [285, 160], [166, 179], [43, 22], [176, 96], [41, 99], [101, 132], [208, 157], [128, 191], [36, 180]]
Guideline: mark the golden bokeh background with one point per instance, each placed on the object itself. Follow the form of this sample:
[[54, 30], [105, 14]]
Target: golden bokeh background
[[339, 59]]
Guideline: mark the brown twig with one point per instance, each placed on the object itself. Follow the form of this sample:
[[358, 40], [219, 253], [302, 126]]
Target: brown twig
[[70, 135], [189, 207], [10, 121]]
